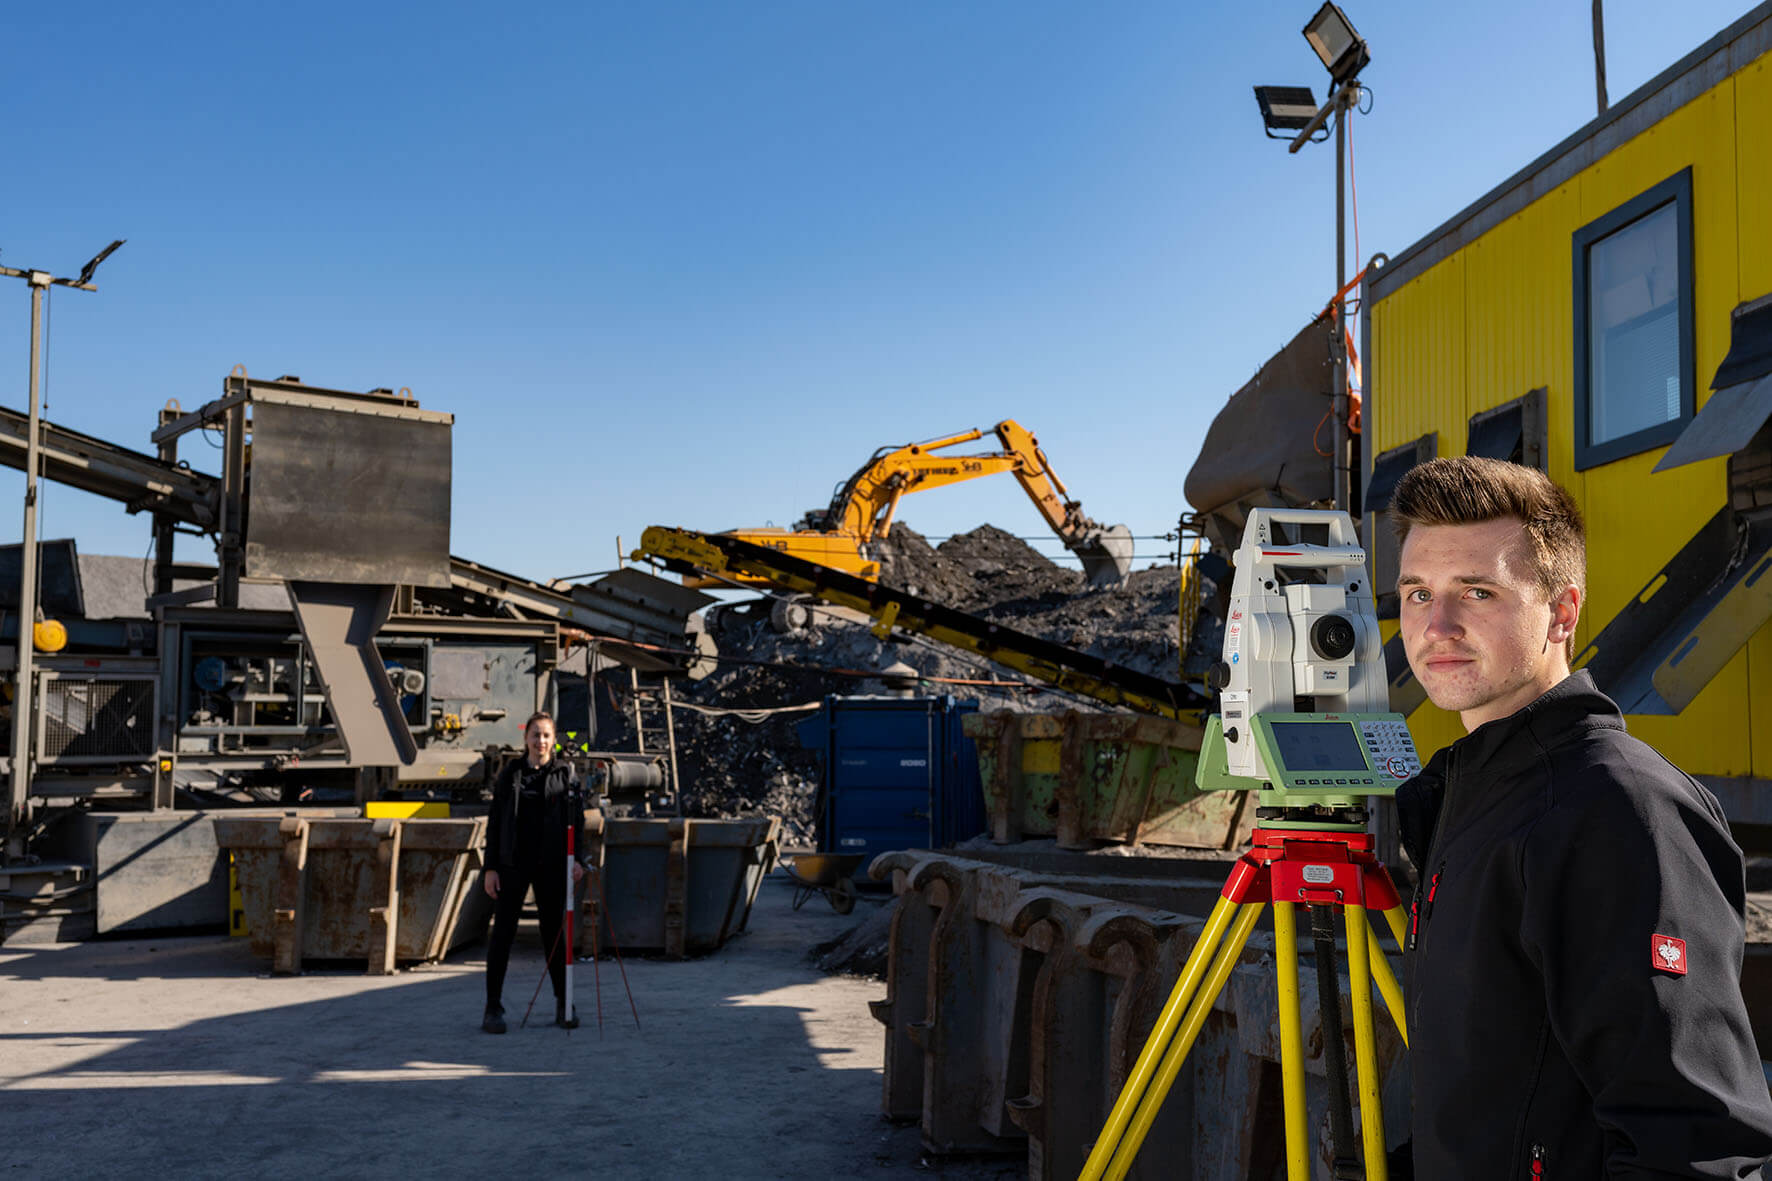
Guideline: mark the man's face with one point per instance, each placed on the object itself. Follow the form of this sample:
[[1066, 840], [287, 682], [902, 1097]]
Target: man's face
[[538, 740], [1481, 634]]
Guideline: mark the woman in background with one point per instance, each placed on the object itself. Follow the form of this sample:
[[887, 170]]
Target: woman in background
[[535, 801]]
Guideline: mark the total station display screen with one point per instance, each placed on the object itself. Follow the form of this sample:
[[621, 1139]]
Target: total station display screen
[[1318, 746]]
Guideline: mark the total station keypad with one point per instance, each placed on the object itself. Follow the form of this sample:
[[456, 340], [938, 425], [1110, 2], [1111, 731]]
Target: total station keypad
[[1391, 747]]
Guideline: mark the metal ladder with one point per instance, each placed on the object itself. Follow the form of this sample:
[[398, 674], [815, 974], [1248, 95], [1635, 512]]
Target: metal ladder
[[655, 730]]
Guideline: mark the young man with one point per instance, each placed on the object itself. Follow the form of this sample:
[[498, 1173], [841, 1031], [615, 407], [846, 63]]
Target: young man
[[534, 801], [1572, 976]]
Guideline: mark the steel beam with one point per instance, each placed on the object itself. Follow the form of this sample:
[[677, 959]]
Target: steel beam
[[643, 618], [141, 482]]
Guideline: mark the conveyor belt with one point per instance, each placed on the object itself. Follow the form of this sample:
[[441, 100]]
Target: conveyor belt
[[685, 551], [141, 482]]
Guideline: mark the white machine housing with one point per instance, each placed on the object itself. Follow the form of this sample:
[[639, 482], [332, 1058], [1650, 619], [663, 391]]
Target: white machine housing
[[1270, 658]]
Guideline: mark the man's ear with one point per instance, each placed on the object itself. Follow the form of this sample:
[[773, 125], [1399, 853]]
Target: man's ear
[[1565, 613]]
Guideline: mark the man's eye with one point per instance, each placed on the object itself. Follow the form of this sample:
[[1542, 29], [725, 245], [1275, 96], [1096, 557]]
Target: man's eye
[[1418, 595], [1478, 592]]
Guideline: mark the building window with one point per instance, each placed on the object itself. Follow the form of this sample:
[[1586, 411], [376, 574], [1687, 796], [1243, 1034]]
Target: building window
[[1388, 470], [1515, 431], [1633, 325]]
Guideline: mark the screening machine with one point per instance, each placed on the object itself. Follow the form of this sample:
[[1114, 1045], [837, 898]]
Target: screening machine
[[333, 651]]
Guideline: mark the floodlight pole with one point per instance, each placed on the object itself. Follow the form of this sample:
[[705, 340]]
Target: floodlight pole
[[1336, 108], [1338, 312], [18, 812]]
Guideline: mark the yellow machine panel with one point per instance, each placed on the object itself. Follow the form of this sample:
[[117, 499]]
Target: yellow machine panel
[[406, 809]]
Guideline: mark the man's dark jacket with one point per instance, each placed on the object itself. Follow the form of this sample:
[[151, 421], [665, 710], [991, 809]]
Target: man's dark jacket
[[1562, 865], [563, 806]]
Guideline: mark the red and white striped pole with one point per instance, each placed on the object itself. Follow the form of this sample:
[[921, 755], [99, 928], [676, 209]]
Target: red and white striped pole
[[571, 840]]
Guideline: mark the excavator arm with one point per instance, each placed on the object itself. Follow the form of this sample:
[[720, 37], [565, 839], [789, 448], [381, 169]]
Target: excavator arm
[[1048, 492], [863, 506]]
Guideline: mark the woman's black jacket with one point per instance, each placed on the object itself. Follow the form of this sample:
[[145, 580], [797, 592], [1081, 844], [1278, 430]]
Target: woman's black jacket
[[563, 804]]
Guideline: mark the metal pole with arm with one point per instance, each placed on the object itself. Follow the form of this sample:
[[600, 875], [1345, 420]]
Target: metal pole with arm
[[18, 812]]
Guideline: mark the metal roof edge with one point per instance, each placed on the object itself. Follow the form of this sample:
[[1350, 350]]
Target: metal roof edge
[[1744, 41]]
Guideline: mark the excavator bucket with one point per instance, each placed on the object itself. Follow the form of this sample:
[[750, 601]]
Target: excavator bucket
[[1106, 554]]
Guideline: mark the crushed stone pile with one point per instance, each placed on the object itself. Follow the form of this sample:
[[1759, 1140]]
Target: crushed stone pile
[[731, 766]]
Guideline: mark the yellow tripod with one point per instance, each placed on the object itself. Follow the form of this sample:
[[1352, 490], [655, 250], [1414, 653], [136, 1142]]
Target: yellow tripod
[[1326, 871]]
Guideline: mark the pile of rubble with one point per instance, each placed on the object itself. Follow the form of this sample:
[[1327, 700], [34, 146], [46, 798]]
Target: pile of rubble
[[743, 763]]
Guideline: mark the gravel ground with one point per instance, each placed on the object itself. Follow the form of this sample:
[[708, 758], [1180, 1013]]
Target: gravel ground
[[184, 1057]]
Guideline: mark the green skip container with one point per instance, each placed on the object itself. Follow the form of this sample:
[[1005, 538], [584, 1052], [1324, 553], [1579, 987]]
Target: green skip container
[[1089, 779]]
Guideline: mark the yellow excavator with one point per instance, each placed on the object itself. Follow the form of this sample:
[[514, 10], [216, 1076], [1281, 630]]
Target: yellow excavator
[[862, 508]]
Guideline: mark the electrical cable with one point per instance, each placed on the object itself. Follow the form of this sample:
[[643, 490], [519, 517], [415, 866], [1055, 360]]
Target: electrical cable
[[1318, 433], [1353, 189], [1355, 412], [147, 560], [1044, 537], [753, 716]]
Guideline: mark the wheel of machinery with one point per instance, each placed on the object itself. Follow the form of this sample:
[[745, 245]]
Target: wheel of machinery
[[790, 614], [843, 895]]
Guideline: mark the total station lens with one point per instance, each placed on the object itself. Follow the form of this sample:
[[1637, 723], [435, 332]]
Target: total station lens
[[1333, 637]]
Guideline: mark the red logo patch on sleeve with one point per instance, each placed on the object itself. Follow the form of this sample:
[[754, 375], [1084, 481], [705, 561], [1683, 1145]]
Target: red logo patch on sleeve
[[1668, 954]]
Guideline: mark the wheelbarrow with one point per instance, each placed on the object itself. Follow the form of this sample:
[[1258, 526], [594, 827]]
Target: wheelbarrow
[[830, 874]]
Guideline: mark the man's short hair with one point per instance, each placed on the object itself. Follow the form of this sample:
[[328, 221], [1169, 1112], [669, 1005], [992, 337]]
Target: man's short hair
[[1471, 490]]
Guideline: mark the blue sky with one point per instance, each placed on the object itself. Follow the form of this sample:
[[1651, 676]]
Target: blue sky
[[691, 263]]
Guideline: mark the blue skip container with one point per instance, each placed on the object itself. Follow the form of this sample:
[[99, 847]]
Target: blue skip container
[[898, 773]]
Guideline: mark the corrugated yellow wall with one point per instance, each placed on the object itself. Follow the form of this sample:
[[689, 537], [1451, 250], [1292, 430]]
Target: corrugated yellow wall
[[1495, 319]]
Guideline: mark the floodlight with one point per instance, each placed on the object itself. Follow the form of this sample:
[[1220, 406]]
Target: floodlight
[[1285, 108], [1344, 54], [92, 263]]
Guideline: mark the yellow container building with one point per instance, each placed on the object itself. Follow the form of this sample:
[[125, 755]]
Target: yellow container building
[[1606, 314]]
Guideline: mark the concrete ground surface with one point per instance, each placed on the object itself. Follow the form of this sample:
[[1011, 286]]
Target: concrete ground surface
[[184, 1057]]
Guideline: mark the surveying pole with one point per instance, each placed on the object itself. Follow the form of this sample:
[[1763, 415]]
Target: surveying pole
[[18, 807], [566, 919]]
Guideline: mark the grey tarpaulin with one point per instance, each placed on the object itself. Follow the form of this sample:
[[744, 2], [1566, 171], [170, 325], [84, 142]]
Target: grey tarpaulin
[[1262, 439]]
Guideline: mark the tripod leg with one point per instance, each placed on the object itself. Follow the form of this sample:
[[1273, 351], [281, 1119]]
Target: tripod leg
[[1298, 1159], [1359, 950], [1228, 954], [1387, 985], [1341, 1118], [1133, 1091], [1398, 925]]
